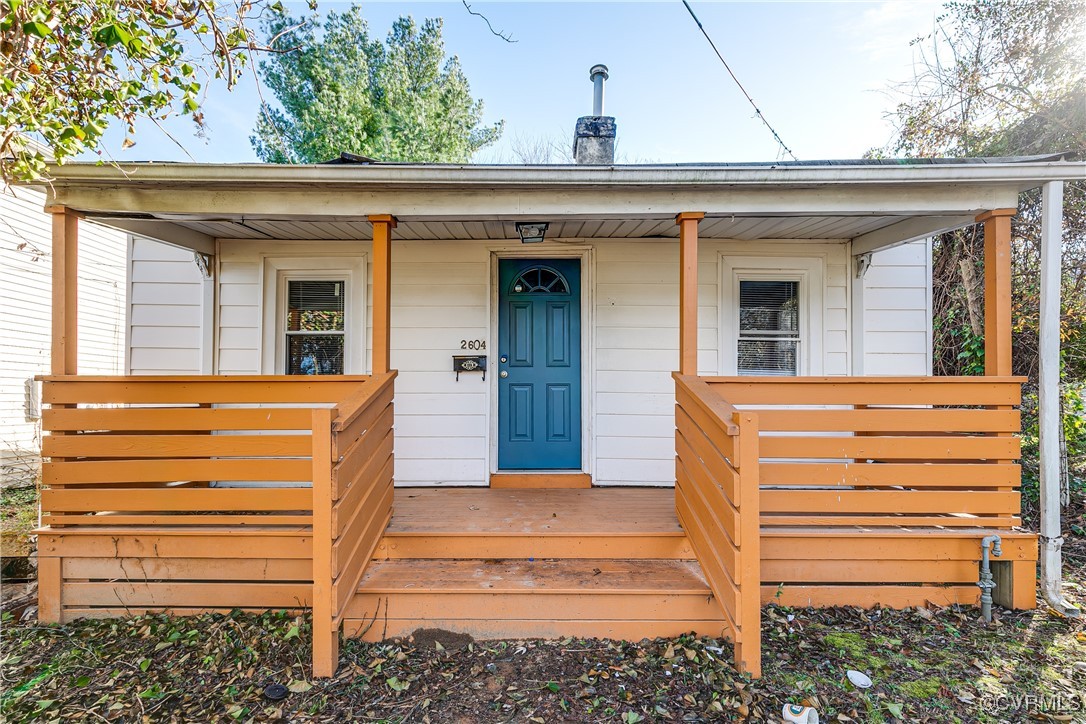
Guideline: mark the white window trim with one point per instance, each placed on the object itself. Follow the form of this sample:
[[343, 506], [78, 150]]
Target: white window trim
[[277, 271], [808, 271]]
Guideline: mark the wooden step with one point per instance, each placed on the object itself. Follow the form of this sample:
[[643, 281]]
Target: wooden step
[[489, 599], [522, 524]]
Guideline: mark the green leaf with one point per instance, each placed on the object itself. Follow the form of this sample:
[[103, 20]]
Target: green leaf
[[40, 30], [293, 633], [553, 686], [396, 685], [895, 709], [82, 681], [110, 35], [145, 664], [43, 704]]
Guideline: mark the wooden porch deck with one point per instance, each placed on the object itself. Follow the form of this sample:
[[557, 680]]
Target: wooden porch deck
[[616, 562]]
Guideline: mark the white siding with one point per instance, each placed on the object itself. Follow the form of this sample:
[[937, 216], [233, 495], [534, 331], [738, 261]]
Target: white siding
[[242, 289], [897, 311], [167, 309], [442, 293], [25, 294]]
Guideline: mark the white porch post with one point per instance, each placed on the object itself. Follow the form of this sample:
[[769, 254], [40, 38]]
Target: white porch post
[[1049, 398]]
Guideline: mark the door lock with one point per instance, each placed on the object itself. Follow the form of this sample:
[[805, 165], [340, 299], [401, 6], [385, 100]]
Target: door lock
[[503, 359], [503, 373]]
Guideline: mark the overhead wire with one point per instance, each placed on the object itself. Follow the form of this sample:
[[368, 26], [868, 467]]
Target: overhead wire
[[757, 110]]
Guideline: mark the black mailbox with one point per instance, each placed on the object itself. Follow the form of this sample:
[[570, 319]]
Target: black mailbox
[[469, 363]]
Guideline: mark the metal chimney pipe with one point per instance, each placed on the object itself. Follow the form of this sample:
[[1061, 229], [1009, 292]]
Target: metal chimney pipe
[[598, 74]]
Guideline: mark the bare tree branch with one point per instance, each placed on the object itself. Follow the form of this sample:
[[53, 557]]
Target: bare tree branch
[[504, 36]]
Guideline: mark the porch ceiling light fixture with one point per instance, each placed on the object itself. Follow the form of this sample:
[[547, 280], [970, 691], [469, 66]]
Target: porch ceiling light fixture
[[532, 232]]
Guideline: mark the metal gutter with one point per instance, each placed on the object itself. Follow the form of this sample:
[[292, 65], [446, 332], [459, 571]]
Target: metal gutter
[[1022, 174]]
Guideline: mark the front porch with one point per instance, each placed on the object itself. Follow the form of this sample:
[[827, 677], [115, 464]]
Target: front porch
[[877, 492], [197, 492]]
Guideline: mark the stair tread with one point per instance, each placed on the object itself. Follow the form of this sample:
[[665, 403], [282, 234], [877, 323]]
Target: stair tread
[[541, 576], [487, 511]]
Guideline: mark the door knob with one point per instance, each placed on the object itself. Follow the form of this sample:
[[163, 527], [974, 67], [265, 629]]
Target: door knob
[[503, 373]]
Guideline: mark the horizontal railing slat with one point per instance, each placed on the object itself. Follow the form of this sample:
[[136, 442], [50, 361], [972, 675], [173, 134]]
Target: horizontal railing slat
[[186, 593], [889, 501], [897, 448], [172, 470], [889, 420], [179, 419], [176, 499], [176, 446], [959, 391], [944, 474], [177, 518], [198, 389], [891, 520]]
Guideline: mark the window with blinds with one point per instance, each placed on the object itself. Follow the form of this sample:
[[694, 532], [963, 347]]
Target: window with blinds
[[315, 327], [769, 333]]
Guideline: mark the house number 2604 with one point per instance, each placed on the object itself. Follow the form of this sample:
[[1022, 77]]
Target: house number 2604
[[475, 344]]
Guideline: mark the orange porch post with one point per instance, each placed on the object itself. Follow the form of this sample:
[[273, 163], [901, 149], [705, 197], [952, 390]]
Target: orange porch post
[[688, 290], [64, 360], [997, 291], [65, 342], [1016, 581], [383, 224]]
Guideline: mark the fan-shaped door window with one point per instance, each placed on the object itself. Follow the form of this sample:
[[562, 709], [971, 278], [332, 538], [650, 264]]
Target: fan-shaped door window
[[540, 280]]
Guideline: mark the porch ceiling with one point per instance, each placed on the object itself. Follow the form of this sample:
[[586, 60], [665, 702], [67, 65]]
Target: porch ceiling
[[743, 228]]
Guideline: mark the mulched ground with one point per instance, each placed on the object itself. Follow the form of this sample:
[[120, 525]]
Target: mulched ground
[[927, 666]]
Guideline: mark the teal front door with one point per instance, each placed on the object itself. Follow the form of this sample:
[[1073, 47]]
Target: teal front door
[[539, 364]]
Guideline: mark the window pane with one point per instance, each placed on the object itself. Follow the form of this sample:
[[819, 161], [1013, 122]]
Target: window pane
[[540, 280], [768, 357], [769, 306], [315, 354], [315, 306]]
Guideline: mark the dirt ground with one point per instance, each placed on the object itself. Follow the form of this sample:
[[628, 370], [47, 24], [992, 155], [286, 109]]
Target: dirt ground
[[926, 666]]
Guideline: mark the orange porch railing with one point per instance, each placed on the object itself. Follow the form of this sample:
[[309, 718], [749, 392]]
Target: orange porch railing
[[352, 497], [884, 451], [211, 493], [716, 498]]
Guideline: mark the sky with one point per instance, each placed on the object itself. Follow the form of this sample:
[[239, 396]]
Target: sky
[[822, 74]]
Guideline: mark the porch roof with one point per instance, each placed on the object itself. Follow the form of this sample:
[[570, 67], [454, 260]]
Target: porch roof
[[873, 202]]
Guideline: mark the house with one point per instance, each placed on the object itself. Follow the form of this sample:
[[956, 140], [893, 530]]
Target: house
[[597, 400], [25, 244]]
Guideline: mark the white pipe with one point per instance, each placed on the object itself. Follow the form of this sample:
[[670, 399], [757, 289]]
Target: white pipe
[[1049, 398]]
